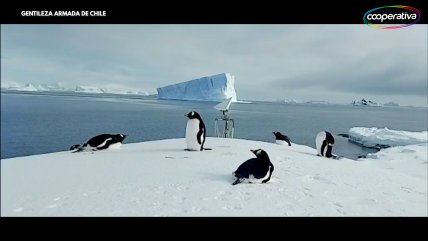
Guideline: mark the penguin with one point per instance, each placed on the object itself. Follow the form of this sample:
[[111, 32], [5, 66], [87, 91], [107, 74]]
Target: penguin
[[281, 139], [254, 170], [195, 132], [324, 142], [101, 142]]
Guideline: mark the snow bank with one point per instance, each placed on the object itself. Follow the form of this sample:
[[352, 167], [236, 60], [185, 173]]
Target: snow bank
[[374, 137], [211, 88], [411, 159], [159, 178]]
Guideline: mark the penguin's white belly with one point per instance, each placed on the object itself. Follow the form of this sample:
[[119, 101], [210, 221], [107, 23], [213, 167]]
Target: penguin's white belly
[[281, 142], [115, 146], [192, 130], [318, 141], [252, 179]]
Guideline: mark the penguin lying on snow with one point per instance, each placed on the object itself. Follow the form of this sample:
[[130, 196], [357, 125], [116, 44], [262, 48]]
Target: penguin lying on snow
[[324, 142], [100, 142], [281, 139], [195, 132], [254, 170]]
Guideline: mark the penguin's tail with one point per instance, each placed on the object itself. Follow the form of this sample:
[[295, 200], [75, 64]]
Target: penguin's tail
[[78, 148], [207, 149]]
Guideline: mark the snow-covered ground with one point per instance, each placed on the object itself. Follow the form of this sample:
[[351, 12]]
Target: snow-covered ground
[[411, 159], [159, 178], [374, 137]]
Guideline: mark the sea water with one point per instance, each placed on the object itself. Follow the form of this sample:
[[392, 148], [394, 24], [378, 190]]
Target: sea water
[[36, 124]]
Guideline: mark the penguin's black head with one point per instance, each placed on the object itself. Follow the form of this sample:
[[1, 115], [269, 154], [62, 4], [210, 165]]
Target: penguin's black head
[[259, 153], [121, 137], [278, 134], [193, 115]]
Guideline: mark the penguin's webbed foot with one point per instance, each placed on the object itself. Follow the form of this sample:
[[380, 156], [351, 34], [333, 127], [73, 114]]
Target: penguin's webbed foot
[[78, 150], [237, 181]]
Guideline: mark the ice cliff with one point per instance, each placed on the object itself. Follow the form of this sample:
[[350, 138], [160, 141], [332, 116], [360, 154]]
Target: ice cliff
[[210, 88]]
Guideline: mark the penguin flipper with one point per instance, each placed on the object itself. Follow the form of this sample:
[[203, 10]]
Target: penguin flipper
[[199, 136], [107, 145], [237, 181]]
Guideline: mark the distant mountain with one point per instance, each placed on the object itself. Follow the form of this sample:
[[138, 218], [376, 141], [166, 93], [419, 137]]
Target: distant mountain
[[294, 101], [88, 89], [291, 101], [391, 104], [318, 102], [364, 102], [57, 87], [51, 87], [28, 87]]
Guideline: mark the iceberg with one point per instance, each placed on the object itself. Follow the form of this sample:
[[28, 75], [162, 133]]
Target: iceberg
[[383, 138], [210, 88]]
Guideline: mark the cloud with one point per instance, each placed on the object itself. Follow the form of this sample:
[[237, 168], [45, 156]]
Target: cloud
[[269, 61], [364, 76]]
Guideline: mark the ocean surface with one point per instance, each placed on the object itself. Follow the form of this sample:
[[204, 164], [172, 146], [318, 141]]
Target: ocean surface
[[36, 124]]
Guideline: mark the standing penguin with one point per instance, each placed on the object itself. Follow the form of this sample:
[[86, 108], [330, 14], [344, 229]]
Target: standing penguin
[[281, 139], [324, 142], [101, 142], [195, 132], [254, 170]]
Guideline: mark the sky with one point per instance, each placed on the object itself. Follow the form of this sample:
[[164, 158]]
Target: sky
[[335, 63]]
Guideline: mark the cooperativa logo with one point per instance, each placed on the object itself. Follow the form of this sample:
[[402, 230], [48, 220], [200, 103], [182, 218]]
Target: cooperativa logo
[[399, 16]]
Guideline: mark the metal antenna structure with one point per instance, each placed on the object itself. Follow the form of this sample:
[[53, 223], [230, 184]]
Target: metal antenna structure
[[224, 121]]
